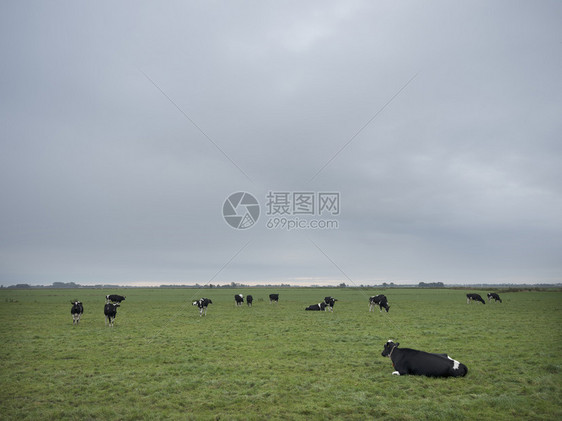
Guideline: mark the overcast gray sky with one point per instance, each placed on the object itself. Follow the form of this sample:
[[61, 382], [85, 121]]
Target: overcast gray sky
[[126, 125]]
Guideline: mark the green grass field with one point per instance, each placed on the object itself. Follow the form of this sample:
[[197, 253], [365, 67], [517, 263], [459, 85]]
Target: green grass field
[[163, 361]]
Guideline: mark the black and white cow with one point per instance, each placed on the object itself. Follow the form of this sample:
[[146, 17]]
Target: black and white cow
[[494, 296], [114, 298], [202, 304], [110, 311], [330, 301], [76, 311], [379, 300], [249, 300], [239, 299], [273, 298], [474, 297], [316, 307], [421, 363]]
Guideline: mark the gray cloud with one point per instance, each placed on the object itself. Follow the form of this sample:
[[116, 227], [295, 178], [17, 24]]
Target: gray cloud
[[105, 179]]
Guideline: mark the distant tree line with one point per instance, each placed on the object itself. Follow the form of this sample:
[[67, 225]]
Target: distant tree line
[[431, 285], [61, 285], [233, 285]]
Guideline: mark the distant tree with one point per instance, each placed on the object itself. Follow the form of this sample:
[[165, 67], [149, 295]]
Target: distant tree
[[342, 285], [65, 285], [431, 285]]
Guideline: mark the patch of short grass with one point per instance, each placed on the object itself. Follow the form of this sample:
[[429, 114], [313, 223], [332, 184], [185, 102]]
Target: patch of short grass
[[276, 361]]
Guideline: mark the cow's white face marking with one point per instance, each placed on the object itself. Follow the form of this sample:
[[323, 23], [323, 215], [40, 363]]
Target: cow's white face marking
[[455, 363], [396, 373]]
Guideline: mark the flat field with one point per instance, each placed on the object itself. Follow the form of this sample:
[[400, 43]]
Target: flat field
[[276, 361]]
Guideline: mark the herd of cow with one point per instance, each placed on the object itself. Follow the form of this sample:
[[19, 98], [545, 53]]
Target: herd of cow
[[404, 360], [477, 297], [326, 305], [109, 310]]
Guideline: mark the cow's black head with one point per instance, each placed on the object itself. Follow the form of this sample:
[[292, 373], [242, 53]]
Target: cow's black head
[[388, 347]]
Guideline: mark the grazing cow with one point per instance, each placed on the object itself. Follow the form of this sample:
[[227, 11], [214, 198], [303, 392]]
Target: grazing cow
[[76, 311], [114, 298], [330, 303], [273, 297], [202, 304], [379, 300], [411, 361], [494, 296], [249, 300], [110, 311], [474, 297], [317, 307], [239, 299]]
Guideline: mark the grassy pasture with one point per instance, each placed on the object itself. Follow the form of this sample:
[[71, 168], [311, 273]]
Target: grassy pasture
[[163, 361]]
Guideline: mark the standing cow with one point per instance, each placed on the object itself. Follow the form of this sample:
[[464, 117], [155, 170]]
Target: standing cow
[[110, 311], [273, 298], [202, 304], [239, 299], [76, 311], [494, 296], [114, 298], [249, 300], [379, 300], [421, 363], [474, 297]]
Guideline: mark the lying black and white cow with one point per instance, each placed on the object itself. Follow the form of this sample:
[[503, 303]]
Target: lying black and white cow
[[474, 297], [76, 311], [202, 304], [273, 297], [317, 307], [379, 300], [110, 311], [249, 300], [421, 363], [330, 301], [494, 296], [239, 299], [114, 298]]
